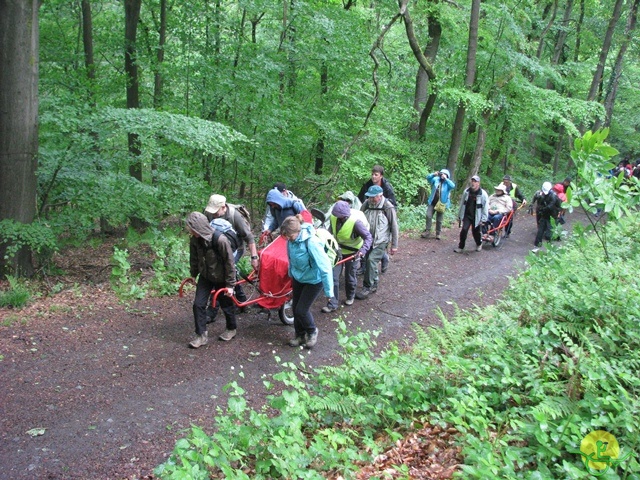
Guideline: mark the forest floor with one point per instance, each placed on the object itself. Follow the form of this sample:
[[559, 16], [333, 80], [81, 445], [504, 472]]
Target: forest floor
[[112, 386]]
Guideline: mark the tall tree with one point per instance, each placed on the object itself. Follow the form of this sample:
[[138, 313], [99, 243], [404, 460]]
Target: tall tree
[[614, 80], [472, 49], [132, 16], [604, 51], [19, 63]]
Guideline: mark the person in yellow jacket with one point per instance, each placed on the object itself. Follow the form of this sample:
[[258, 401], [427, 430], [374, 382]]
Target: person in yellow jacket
[[352, 234]]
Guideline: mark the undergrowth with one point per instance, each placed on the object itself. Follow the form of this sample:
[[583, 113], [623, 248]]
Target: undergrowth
[[523, 382]]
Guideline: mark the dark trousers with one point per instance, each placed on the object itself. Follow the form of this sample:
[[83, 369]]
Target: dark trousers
[[544, 230], [201, 301], [238, 291], [475, 231], [350, 281], [304, 294]]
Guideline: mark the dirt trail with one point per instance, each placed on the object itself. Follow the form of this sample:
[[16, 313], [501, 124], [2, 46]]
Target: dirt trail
[[115, 386]]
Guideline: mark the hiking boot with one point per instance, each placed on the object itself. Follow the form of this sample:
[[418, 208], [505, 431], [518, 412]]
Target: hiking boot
[[328, 309], [458, 250], [227, 335], [425, 234], [199, 341], [311, 339], [384, 264], [298, 341], [437, 236], [364, 293], [349, 301], [479, 248]]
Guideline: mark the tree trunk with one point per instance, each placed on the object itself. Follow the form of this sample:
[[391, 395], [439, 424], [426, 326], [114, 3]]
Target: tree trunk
[[576, 53], [324, 88], [162, 39], [481, 140], [606, 45], [543, 34], [472, 48], [423, 78], [18, 122], [132, 16], [612, 88], [562, 34]]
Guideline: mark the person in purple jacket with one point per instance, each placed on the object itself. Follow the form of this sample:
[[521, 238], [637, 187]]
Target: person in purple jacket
[[351, 230]]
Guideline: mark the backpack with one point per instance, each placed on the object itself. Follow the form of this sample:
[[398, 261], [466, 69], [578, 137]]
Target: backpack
[[331, 247], [242, 210], [221, 226]]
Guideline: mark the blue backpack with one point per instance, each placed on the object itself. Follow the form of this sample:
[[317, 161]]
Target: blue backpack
[[221, 226]]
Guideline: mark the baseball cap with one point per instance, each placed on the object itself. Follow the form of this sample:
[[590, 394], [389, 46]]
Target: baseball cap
[[507, 178], [215, 203], [280, 186], [373, 191], [475, 178], [546, 187]]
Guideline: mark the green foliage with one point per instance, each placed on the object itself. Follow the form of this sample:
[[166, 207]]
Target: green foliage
[[171, 263], [17, 296], [124, 282], [523, 382], [596, 191], [413, 217], [35, 236]]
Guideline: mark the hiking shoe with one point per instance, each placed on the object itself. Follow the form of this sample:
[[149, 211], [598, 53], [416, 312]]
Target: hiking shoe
[[328, 309], [384, 264], [437, 236], [458, 250], [227, 335], [535, 250], [364, 293], [349, 301], [298, 341], [199, 341], [311, 339], [479, 248], [425, 234], [374, 288]]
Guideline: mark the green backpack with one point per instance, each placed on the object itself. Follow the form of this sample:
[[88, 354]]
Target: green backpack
[[331, 246]]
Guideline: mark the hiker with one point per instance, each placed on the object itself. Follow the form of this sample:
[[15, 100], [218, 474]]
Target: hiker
[[516, 195], [211, 260], [280, 207], [383, 225], [441, 186], [268, 217], [217, 207], [311, 272], [473, 212], [377, 178], [354, 239], [548, 207], [500, 204]]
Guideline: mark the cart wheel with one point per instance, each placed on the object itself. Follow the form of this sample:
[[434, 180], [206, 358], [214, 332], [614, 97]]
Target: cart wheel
[[497, 237], [286, 313]]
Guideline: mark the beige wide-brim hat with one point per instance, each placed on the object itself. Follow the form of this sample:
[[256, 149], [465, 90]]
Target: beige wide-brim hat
[[216, 202]]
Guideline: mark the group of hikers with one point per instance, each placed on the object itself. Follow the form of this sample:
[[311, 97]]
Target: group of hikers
[[483, 213], [365, 228]]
